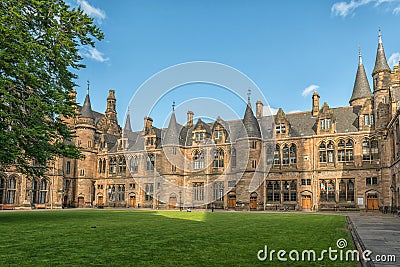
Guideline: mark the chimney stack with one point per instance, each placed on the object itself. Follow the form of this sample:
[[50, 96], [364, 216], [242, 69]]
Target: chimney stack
[[189, 122], [315, 104], [148, 123], [259, 109]]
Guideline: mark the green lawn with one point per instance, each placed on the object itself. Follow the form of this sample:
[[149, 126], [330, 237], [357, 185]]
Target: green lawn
[[163, 238]]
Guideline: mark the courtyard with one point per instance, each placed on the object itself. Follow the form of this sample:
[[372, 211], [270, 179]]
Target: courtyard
[[164, 238]]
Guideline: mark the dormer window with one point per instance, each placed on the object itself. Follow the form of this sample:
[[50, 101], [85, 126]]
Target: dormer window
[[218, 134], [280, 128], [325, 124], [199, 136], [368, 119]]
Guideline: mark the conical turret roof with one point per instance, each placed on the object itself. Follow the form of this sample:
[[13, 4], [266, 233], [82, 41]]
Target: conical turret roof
[[127, 127], [171, 136], [250, 122], [361, 87], [86, 110], [380, 61]]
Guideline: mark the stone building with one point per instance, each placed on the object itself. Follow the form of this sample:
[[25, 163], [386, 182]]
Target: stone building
[[327, 158]]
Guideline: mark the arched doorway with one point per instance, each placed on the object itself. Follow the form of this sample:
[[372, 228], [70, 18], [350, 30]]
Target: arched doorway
[[372, 200], [172, 201], [100, 200], [81, 202], [232, 200], [306, 200], [253, 201], [132, 200]]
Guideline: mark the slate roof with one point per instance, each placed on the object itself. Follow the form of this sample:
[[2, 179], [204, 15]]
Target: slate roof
[[361, 87], [86, 110], [380, 61]]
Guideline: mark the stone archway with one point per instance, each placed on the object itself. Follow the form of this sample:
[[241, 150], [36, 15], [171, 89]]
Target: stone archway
[[132, 200], [372, 197], [306, 200]]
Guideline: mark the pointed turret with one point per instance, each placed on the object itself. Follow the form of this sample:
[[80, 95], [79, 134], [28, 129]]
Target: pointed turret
[[380, 61], [86, 111], [127, 127], [361, 89], [171, 136], [250, 122]]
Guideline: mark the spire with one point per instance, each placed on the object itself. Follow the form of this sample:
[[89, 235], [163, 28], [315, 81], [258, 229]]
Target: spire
[[171, 136], [361, 87], [86, 110], [249, 120], [128, 127], [380, 61]]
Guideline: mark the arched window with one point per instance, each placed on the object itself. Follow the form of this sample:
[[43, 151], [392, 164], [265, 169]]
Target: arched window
[[198, 158], [345, 151], [218, 158], [43, 191], [292, 154], [150, 162], [100, 165], [134, 164], [326, 152], [277, 155], [285, 155], [322, 152]]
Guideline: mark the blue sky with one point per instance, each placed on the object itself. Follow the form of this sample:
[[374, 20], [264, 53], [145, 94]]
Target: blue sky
[[285, 47]]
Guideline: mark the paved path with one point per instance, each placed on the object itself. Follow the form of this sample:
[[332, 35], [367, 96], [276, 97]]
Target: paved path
[[380, 233]]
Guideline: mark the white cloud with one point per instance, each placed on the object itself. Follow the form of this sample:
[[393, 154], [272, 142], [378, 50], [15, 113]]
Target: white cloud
[[345, 8], [93, 53], [309, 89], [294, 111], [394, 59], [91, 10], [396, 11]]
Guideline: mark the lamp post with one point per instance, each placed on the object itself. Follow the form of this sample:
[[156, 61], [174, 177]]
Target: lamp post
[[221, 198], [180, 200]]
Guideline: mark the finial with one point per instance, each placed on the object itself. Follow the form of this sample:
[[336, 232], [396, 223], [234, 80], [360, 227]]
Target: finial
[[173, 105], [379, 35], [248, 95], [359, 54], [88, 85]]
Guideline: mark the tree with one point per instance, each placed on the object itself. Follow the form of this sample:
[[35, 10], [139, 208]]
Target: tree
[[39, 58]]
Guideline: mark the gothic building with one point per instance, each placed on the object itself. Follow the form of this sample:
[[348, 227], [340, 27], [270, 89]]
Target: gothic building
[[327, 158]]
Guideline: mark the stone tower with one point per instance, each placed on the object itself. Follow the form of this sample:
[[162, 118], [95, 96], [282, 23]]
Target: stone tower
[[85, 168], [381, 80]]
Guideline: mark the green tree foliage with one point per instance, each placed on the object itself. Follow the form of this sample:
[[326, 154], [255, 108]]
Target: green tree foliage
[[39, 58]]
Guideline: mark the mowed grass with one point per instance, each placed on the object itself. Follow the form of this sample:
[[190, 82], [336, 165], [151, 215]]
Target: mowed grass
[[163, 238]]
